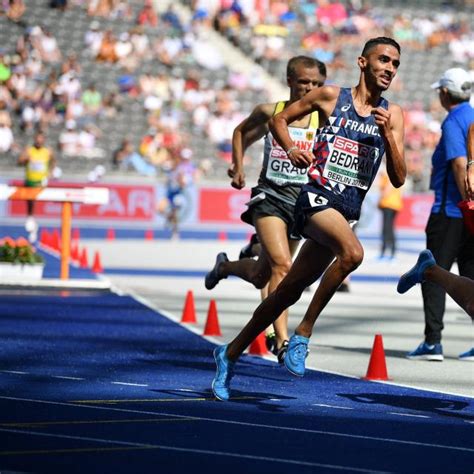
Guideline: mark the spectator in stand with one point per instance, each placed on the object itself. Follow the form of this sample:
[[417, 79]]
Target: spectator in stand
[[125, 158], [6, 136], [93, 38], [69, 139], [15, 10], [147, 15], [92, 101], [107, 51]]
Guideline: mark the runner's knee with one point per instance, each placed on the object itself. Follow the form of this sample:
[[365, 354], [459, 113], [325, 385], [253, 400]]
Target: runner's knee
[[351, 258], [280, 269]]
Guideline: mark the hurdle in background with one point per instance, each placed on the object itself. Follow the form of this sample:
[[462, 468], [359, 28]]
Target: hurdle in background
[[66, 196]]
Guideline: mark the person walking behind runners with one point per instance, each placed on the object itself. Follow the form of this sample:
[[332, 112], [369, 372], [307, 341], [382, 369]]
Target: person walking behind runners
[[390, 203], [446, 235], [359, 126], [271, 207], [39, 163]]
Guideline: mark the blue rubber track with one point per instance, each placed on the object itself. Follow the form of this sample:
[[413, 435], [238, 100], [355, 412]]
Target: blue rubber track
[[100, 383]]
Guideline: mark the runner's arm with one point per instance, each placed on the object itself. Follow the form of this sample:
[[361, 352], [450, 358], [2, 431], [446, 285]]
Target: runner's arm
[[391, 128], [320, 99], [251, 129]]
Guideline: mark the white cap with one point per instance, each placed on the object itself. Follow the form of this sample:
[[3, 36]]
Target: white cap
[[455, 80]]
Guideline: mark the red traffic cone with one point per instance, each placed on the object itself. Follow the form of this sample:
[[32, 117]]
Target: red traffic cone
[[83, 263], [222, 236], [110, 234], [149, 234], [189, 312], [74, 252], [377, 369], [43, 237], [212, 322], [258, 345], [76, 234], [97, 265], [56, 241]]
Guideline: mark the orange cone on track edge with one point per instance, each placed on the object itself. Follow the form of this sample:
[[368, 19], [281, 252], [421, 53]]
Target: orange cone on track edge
[[258, 346], [189, 311], [377, 369], [110, 234], [97, 265], [149, 234], [212, 322], [83, 262]]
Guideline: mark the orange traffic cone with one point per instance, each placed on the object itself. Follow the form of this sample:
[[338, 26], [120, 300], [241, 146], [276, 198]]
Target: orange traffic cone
[[149, 234], [189, 311], [110, 234], [258, 346], [83, 263], [377, 369], [222, 236], [212, 322], [97, 265], [76, 234]]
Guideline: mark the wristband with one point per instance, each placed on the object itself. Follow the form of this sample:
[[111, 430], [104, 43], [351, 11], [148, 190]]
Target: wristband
[[469, 163], [290, 150]]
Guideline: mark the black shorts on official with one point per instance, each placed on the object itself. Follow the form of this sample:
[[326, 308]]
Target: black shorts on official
[[313, 199], [263, 204]]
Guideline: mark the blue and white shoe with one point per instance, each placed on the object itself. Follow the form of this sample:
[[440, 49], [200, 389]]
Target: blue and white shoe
[[296, 354], [467, 356], [212, 277], [224, 374], [427, 352], [415, 274]]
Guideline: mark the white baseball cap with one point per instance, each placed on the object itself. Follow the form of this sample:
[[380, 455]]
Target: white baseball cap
[[455, 80]]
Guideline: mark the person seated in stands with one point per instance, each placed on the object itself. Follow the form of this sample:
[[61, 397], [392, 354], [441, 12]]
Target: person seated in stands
[[107, 52]]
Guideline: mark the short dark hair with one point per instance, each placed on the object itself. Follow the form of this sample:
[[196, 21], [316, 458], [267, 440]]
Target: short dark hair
[[380, 40], [305, 61]]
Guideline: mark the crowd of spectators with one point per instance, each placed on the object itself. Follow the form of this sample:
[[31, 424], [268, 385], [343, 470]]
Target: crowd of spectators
[[192, 97]]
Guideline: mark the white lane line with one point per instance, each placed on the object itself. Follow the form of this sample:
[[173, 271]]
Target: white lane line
[[253, 425], [14, 372], [332, 406], [197, 451], [408, 414], [65, 377], [131, 384], [185, 390]]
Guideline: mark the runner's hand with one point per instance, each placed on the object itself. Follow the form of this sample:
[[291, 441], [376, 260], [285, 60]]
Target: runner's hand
[[301, 159], [382, 119], [238, 178]]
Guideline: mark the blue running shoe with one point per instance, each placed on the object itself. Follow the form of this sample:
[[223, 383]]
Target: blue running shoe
[[415, 274], [427, 352], [467, 356], [224, 373], [296, 354], [213, 278]]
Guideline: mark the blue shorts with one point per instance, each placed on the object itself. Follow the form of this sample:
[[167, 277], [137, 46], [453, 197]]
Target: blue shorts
[[314, 199]]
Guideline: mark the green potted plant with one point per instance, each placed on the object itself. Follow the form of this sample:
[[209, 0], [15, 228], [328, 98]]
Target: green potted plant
[[19, 260]]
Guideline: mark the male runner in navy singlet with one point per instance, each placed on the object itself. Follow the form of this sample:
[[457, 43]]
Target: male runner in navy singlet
[[359, 127]]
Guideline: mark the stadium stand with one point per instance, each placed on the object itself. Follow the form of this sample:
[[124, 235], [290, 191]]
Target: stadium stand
[[160, 82]]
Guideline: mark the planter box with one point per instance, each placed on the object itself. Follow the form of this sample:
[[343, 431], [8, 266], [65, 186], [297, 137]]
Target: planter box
[[20, 271]]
